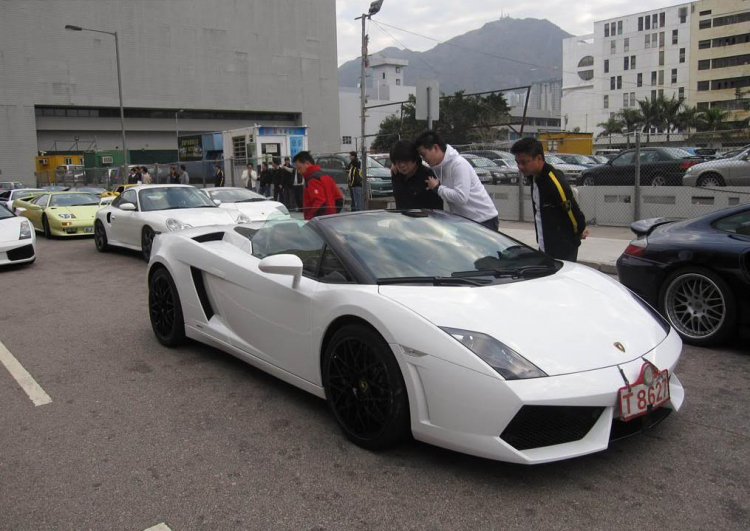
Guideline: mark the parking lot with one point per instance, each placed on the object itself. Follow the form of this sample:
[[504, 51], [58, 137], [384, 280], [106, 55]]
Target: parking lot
[[137, 434]]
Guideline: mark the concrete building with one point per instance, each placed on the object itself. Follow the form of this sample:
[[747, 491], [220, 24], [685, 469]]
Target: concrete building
[[543, 113], [386, 86], [227, 64], [626, 59], [720, 55]]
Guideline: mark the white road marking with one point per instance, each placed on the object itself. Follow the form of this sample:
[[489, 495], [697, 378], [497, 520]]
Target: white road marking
[[24, 379], [159, 527]]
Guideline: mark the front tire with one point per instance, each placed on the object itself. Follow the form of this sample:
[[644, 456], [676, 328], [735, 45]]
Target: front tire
[[699, 305], [100, 237], [588, 180], [45, 227], [710, 180], [147, 240], [165, 309], [365, 388]]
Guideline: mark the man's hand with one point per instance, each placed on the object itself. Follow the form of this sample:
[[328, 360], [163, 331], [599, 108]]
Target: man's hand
[[432, 182], [585, 234]]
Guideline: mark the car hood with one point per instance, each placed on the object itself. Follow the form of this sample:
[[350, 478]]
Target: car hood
[[564, 323], [10, 229], [258, 211], [197, 217], [570, 167], [80, 212]]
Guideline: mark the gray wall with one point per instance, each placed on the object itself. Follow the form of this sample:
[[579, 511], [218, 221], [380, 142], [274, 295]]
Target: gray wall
[[259, 55]]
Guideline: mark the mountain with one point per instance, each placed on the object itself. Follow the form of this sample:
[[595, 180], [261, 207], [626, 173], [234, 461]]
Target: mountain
[[470, 61]]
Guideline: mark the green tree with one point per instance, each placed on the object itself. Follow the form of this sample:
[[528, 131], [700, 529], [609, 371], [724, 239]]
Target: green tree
[[669, 112], [631, 119], [689, 118], [651, 113], [713, 119], [613, 126]]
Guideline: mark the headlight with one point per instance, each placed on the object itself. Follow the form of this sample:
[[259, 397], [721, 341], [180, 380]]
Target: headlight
[[25, 230], [176, 224], [506, 361], [689, 169], [242, 218], [66, 216]]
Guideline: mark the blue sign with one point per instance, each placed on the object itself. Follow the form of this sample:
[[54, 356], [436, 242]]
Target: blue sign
[[276, 131], [296, 144]]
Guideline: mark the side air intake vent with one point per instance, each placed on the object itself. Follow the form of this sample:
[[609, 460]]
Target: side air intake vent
[[211, 237], [200, 289]]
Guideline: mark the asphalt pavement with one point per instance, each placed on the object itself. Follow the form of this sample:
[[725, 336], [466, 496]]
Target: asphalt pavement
[[138, 434]]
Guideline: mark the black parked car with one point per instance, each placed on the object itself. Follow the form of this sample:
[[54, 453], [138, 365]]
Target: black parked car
[[660, 166], [696, 272]]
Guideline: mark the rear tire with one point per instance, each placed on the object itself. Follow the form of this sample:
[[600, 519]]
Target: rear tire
[[100, 237], [699, 305], [588, 180], [658, 181], [365, 388], [165, 309]]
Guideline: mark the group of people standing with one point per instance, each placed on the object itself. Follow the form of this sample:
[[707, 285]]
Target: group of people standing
[[282, 182]]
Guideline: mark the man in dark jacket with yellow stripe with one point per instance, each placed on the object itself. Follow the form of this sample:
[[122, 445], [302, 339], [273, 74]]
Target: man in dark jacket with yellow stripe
[[560, 225]]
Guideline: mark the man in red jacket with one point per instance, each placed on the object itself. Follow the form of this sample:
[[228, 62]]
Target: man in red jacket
[[321, 196]]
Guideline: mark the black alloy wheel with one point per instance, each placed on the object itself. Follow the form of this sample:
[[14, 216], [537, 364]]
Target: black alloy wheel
[[147, 240], [45, 227], [365, 388], [699, 305], [100, 237], [165, 309]]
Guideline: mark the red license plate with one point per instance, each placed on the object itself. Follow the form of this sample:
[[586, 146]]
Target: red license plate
[[648, 392]]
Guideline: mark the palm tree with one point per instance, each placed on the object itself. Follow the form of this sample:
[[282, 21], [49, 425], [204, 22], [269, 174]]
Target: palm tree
[[713, 119], [613, 126], [689, 118], [631, 119], [651, 113], [669, 110]]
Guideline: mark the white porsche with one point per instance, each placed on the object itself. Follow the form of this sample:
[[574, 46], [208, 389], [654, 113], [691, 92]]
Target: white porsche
[[255, 206], [17, 239], [141, 212], [425, 323]]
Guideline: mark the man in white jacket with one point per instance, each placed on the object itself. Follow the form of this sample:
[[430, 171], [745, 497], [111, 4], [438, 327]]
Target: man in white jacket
[[456, 182], [250, 178]]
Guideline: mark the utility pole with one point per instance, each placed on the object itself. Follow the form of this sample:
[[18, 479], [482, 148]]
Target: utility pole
[[374, 9]]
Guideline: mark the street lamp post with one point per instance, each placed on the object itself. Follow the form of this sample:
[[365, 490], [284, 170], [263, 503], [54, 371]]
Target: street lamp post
[[119, 86], [177, 131], [374, 9]]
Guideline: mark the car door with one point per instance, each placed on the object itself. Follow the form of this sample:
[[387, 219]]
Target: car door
[[123, 221], [739, 171], [620, 172], [35, 214], [334, 167], [268, 318]]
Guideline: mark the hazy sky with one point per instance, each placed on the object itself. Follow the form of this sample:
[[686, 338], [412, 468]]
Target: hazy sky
[[443, 19]]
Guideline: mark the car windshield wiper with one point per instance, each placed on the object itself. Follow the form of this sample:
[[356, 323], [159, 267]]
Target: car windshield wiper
[[512, 272], [252, 200], [436, 281]]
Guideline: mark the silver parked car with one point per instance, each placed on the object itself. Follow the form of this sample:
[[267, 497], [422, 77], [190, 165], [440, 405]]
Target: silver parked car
[[572, 171], [733, 171]]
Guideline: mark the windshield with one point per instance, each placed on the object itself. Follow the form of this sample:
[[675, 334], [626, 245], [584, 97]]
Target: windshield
[[235, 195], [481, 162], [173, 198], [553, 159], [577, 159], [75, 199], [677, 153], [5, 213], [394, 244], [92, 190]]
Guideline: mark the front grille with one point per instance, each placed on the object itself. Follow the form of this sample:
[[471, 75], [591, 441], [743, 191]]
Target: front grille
[[621, 430], [538, 426], [21, 253]]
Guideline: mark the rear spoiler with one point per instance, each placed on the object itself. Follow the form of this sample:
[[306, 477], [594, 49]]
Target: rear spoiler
[[644, 227]]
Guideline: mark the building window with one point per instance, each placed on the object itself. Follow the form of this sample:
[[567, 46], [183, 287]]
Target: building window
[[383, 75], [675, 37], [704, 13], [606, 30], [625, 99], [655, 20], [626, 46], [239, 147], [619, 82], [702, 106], [704, 24], [640, 23], [398, 69], [586, 61], [640, 80], [661, 94], [653, 96], [648, 41], [728, 41], [653, 78], [398, 82], [730, 83], [726, 62], [613, 29], [612, 83], [703, 86], [683, 15], [586, 75], [704, 64], [619, 27], [625, 63], [662, 19], [612, 115], [648, 22], [632, 99], [613, 47], [632, 62], [68, 160], [606, 66], [674, 76], [654, 37], [681, 93], [661, 39], [682, 55], [702, 45], [661, 58], [606, 102], [732, 19], [661, 77], [346, 140]]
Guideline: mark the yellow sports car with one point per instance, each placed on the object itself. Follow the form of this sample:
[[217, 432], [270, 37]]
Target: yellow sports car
[[120, 189], [61, 213]]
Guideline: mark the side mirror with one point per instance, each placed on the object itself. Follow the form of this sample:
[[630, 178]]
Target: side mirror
[[283, 264], [217, 202], [128, 207]]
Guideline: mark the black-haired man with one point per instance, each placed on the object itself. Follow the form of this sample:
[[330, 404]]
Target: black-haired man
[[456, 182], [321, 196], [354, 180], [410, 178], [560, 225]]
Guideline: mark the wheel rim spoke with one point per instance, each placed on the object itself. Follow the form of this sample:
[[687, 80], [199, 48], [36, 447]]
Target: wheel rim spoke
[[695, 305], [162, 306]]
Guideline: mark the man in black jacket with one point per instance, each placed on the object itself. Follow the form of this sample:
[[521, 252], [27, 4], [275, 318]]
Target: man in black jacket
[[560, 225], [409, 179], [277, 179]]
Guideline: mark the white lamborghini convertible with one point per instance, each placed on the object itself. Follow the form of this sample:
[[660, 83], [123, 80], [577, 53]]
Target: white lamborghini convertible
[[137, 215], [425, 323]]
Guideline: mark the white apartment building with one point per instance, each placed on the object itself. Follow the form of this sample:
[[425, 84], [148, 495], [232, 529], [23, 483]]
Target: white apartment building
[[626, 59]]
